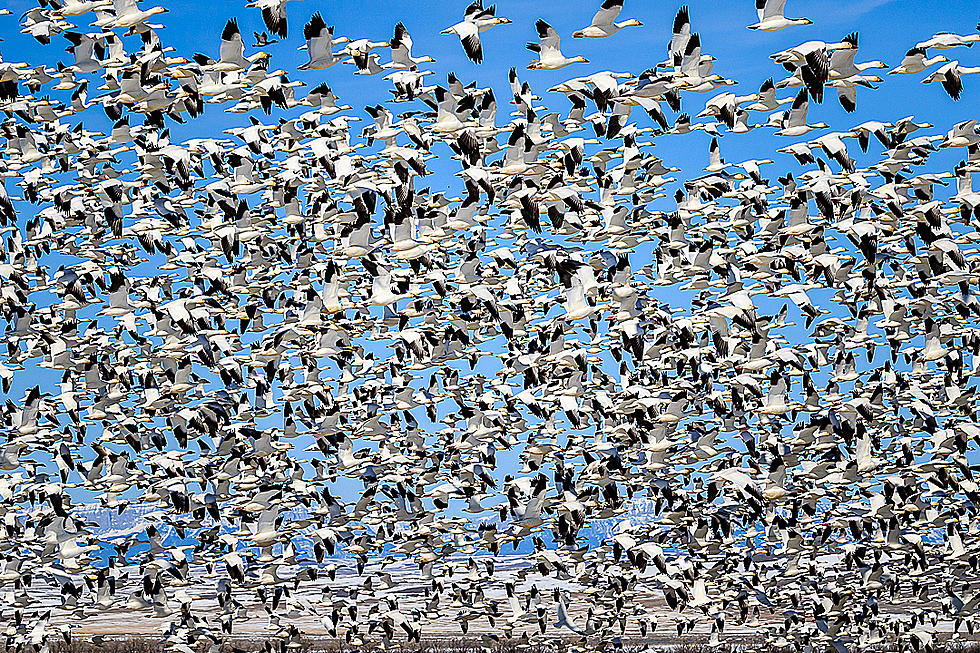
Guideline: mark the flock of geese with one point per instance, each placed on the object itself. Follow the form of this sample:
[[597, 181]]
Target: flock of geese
[[477, 326]]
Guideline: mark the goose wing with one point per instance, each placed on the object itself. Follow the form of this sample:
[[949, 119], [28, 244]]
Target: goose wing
[[401, 44], [274, 17], [607, 13], [548, 39], [681, 33], [476, 11], [232, 46], [768, 9], [797, 114], [469, 36]]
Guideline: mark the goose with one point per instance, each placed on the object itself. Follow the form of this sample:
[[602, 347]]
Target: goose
[[771, 18], [476, 20], [962, 134], [694, 74], [796, 56], [362, 46], [847, 89], [948, 40], [232, 51], [950, 76], [72, 8], [273, 15], [367, 63], [319, 44], [126, 14], [604, 22], [83, 46], [401, 51], [549, 54], [715, 162], [679, 38], [793, 122], [842, 64], [915, 61], [766, 98], [262, 39]]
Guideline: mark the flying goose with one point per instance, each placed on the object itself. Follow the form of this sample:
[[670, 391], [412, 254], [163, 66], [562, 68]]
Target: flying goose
[[319, 44], [771, 16], [604, 22], [273, 15], [476, 20], [915, 61], [793, 122], [950, 76], [549, 54], [401, 51], [126, 15], [948, 40]]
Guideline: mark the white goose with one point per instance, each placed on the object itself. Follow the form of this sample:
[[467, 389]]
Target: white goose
[[771, 18], [915, 61], [794, 121], [547, 47], [950, 75], [127, 14], [604, 22], [319, 44], [401, 51], [476, 20]]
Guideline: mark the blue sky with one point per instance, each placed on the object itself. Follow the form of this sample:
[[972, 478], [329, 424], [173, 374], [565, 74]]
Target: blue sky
[[887, 29]]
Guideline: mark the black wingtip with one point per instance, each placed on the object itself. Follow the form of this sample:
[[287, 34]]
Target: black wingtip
[[231, 29]]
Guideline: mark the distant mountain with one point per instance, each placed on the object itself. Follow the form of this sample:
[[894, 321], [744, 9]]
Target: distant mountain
[[111, 527]]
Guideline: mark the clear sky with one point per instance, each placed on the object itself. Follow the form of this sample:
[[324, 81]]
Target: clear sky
[[887, 29]]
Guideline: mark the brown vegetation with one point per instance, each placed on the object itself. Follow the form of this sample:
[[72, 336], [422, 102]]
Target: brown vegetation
[[463, 645]]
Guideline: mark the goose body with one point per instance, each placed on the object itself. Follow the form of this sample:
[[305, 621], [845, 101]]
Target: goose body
[[547, 47]]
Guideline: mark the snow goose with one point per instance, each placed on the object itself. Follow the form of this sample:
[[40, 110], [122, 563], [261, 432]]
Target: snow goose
[[127, 14], [262, 39], [963, 134], [319, 44], [367, 63], [83, 46], [231, 54], [401, 51], [812, 59], [771, 16], [476, 20], [765, 99], [794, 121], [950, 76], [948, 40], [715, 162], [604, 22], [680, 35], [71, 8], [547, 47], [915, 61], [273, 15]]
